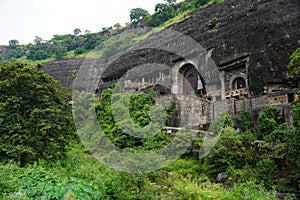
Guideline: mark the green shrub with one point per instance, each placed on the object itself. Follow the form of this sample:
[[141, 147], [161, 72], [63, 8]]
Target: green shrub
[[249, 135], [194, 188], [266, 170], [78, 51], [268, 120], [249, 191], [246, 119], [228, 151], [37, 182]]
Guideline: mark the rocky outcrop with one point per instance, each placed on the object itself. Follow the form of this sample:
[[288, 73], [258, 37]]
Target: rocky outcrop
[[4, 50], [264, 30], [64, 70]]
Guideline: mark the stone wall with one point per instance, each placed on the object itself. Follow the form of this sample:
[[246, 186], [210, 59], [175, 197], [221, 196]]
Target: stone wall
[[190, 109], [253, 105]]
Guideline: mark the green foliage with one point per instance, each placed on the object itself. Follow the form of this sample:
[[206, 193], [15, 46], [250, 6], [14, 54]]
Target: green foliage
[[280, 134], [246, 119], [185, 166], [61, 46], [250, 191], [228, 121], [293, 138], [76, 31], [119, 42], [228, 151], [90, 41], [37, 182], [35, 119], [78, 51], [266, 170], [294, 64], [199, 3], [141, 119], [13, 44], [16, 52], [194, 188], [163, 12], [249, 135], [268, 120], [60, 51], [292, 150], [38, 52], [137, 14]]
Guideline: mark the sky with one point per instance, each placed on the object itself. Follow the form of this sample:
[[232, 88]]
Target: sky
[[24, 19]]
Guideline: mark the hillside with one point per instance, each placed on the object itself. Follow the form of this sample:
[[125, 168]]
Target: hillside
[[214, 114]]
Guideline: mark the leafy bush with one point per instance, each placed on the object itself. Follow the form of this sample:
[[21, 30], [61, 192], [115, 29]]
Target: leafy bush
[[266, 170], [78, 51], [194, 188], [35, 118], [250, 191], [249, 135], [268, 120], [37, 182], [143, 118], [280, 134], [246, 119], [228, 151]]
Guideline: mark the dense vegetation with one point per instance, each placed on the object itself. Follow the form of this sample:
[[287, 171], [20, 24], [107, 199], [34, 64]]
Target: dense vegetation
[[34, 115], [41, 157]]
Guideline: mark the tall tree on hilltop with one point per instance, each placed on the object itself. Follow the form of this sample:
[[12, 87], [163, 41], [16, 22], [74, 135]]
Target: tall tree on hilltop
[[137, 14], [76, 31], [13, 44]]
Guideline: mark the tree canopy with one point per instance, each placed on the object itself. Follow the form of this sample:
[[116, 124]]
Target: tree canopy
[[35, 118], [137, 14]]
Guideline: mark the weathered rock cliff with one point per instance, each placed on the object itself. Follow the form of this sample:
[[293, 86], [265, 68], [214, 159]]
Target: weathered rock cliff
[[264, 30]]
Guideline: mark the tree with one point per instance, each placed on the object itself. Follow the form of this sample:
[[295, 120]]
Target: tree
[[294, 64], [60, 51], [246, 119], [38, 40], [137, 14], [163, 12], [90, 41], [228, 151], [171, 2], [117, 26], [268, 120], [293, 139], [76, 31], [13, 44], [35, 118], [15, 53]]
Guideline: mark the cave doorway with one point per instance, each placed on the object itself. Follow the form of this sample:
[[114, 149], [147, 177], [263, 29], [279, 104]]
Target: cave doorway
[[239, 83], [192, 81]]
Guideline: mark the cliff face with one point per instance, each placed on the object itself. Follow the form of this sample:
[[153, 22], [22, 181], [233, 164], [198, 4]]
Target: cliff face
[[63, 70], [266, 31], [4, 50]]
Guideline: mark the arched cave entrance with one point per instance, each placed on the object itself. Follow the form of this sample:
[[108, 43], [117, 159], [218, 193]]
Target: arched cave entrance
[[192, 81], [238, 83]]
